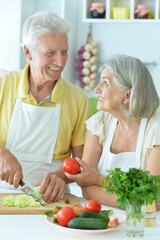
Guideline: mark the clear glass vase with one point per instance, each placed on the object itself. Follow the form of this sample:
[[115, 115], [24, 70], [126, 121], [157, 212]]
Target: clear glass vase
[[135, 214]]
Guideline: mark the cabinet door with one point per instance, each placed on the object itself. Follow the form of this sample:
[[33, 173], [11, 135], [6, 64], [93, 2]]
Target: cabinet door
[[122, 15]]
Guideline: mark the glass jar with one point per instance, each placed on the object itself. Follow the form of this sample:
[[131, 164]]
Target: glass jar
[[97, 10], [150, 216], [135, 214]]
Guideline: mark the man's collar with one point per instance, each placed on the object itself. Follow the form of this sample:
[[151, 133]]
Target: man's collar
[[57, 93], [24, 84]]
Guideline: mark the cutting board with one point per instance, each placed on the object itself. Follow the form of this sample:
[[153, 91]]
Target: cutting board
[[68, 200]]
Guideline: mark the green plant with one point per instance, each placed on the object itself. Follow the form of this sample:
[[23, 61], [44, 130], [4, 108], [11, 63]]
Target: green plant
[[132, 187]]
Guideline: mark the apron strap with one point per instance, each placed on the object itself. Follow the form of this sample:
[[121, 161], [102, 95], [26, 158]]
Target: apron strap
[[111, 134], [140, 140]]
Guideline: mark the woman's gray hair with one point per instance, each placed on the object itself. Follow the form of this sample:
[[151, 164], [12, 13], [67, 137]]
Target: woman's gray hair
[[131, 73], [41, 23]]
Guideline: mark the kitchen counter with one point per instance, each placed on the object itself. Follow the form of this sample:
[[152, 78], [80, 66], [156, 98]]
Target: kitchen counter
[[35, 226]]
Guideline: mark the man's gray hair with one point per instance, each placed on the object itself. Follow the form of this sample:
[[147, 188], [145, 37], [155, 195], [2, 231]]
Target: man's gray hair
[[131, 73], [41, 23]]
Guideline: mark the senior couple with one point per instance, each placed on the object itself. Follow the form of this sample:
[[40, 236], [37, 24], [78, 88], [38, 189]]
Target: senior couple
[[44, 118]]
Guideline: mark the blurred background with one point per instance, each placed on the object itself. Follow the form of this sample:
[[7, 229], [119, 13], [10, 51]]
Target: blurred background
[[117, 29]]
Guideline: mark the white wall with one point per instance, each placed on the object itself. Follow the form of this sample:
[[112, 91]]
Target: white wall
[[141, 40], [10, 34]]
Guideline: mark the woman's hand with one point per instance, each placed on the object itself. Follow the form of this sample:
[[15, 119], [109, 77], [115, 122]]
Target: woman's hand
[[10, 168], [87, 176]]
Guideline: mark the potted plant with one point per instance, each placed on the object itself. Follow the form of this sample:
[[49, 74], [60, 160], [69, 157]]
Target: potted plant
[[133, 190]]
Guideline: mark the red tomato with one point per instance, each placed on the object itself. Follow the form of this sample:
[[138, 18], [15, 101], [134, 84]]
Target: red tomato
[[71, 166], [64, 215], [93, 206]]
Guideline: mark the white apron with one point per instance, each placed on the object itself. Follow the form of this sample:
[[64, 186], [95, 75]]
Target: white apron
[[124, 160], [31, 139]]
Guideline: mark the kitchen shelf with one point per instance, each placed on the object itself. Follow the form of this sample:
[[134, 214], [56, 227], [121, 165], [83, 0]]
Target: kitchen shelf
[[154, 5]]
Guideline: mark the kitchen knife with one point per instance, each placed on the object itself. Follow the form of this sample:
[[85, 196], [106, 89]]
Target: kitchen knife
[[30, 192]]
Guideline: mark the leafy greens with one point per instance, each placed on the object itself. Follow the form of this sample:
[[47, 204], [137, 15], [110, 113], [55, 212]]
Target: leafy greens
[[134, 186]]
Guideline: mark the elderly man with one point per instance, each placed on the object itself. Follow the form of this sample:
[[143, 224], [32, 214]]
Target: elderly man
[[41, 115]]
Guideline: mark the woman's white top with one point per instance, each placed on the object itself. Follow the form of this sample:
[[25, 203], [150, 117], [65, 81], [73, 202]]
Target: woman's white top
[[103, 124]]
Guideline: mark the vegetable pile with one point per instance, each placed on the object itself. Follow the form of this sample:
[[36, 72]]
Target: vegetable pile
[[88, 217], [86, 62], [21, 200]]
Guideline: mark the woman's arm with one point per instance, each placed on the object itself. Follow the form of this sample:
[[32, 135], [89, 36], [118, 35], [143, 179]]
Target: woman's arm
[[154, 165], [95, 192], [92, 150], [154, 161], [88, 174], [89, 178]]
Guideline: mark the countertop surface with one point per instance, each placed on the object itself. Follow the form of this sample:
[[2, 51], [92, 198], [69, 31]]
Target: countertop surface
[[35, 226]]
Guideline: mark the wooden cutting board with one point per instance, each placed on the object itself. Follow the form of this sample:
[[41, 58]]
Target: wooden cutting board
[[68, 200]]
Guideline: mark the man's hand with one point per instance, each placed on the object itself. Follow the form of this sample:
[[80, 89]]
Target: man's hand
[[53, 184], [10, 168]]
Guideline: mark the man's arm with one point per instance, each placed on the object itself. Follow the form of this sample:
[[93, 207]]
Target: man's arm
[[10, 168], [77, 151]]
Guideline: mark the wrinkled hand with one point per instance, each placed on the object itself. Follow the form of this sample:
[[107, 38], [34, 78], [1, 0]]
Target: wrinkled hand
[[87, 175], [53, 184], [10, 168]]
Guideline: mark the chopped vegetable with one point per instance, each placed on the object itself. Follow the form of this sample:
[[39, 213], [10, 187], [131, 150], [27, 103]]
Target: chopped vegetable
[[55, 220], [107, 212], [78, 210], [20, 201], [51, 212], [9, 201], [36, 189], [114, 223], [23, 200]]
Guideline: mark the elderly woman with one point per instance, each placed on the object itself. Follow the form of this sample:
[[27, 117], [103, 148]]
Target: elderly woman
[[125, 133], [42, 116]]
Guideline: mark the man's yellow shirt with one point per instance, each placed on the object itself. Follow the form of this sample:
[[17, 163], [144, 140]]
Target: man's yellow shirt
[[75, 109]]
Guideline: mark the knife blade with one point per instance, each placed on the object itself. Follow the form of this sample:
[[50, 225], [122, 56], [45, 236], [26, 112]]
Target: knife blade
[[30, 192]]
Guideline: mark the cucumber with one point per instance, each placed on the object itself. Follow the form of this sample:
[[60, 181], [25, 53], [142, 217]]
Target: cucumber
[[87, 214], [107, 212], [87, 223]]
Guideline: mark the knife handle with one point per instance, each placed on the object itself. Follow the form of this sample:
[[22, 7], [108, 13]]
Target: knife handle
[[21, 183]]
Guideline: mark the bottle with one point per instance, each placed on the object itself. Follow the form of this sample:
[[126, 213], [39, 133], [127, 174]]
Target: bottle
[[97, 10], [150, 216]]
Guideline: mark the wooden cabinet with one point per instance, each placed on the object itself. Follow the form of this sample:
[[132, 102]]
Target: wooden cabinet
[[130, 5]]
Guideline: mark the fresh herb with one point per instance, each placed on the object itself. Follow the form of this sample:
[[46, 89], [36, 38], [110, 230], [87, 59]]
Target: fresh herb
[[48, 212], [55, 220], [51, 212], [134, 186]]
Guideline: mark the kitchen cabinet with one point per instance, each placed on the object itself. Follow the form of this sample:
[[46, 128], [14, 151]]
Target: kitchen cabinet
[[154, 6]]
